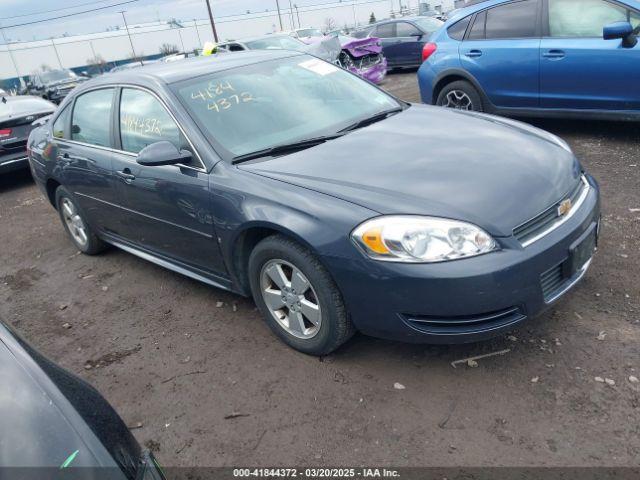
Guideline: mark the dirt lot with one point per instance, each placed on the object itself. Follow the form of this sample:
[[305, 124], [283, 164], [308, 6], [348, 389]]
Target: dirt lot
[[165, 353]]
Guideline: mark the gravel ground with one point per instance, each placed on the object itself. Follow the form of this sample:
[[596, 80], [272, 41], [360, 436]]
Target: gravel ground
[[166, 353]]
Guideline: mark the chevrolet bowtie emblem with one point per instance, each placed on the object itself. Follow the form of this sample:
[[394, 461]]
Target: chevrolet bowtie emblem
[[564, 207]]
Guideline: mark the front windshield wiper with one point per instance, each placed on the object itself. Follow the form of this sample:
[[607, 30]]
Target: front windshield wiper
[[285, 148], [371, 120]]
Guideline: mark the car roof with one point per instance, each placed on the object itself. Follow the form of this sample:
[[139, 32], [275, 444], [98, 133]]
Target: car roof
[[173, 72], [259, 37]]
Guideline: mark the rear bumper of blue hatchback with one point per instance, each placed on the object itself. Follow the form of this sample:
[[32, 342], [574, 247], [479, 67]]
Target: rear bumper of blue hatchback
[[472, 299]]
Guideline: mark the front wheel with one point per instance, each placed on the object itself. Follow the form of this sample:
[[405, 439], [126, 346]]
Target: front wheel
[[460, 95], [297, 297]]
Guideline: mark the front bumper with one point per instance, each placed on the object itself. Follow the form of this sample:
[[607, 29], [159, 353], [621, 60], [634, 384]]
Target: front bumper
[[14, 161], [375, 73], [465, 300]]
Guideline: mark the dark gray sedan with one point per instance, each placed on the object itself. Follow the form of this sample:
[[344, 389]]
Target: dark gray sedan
[[337, 206]]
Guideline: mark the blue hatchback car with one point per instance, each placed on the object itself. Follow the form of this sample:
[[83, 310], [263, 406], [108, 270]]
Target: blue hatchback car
[[537, 58]]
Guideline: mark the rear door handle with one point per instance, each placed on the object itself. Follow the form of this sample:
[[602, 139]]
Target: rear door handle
[[474, 53], [554, 54], [126, 175]]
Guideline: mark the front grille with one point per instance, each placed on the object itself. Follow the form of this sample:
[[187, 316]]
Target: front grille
[[528, 231], [370, 61], [467, 324], [552, 282]]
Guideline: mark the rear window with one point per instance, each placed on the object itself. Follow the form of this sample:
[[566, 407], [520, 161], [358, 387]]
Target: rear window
[[458, 29]]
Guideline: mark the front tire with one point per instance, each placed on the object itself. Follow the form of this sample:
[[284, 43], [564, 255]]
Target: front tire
[[297, 297], [81, 234], [460, 95]]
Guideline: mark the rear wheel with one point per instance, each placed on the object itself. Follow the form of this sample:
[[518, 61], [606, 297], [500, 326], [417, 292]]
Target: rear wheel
[[81, 233], [460, 95], [297, 297]]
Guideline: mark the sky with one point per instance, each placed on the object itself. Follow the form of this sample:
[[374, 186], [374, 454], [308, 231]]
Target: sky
[[14, 12]]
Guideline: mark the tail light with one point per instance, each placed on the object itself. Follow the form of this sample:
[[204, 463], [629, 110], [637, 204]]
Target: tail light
[[5, 132], [428, 50]]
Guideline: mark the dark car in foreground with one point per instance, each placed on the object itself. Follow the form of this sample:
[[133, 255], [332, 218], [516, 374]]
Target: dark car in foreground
[[17, 117], [555, 58], [337, 206], [52, 420], [53, 85], [402, 39]]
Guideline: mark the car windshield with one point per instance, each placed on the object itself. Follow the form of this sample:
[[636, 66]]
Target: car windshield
[[57, 76], [309, 32], [428, 24], [256, 107], [279, 43]]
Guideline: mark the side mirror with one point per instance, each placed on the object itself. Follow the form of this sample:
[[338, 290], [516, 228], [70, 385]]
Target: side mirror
[[623, 30], [162, 153]]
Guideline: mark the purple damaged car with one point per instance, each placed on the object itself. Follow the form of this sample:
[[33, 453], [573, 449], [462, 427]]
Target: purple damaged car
[[363, 56]]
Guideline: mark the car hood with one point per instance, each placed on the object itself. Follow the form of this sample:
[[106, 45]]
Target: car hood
[[492, 172]]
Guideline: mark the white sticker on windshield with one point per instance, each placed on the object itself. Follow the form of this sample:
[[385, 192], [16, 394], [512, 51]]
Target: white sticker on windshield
[[319, 67]]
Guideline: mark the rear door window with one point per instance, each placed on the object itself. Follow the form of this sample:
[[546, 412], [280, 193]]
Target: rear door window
[[458, 29], [477, 30], [92, 118], [584, 18], [513, 20], [404, 29]]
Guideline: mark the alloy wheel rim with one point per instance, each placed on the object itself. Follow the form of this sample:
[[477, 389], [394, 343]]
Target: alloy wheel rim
[[458, 100], [74, 222], [291, 299]]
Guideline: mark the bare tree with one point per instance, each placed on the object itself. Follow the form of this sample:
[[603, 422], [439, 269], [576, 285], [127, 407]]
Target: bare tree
[[169, 49], [97, 64]]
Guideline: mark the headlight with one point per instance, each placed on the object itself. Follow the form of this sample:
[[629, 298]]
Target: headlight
[[414, 239]]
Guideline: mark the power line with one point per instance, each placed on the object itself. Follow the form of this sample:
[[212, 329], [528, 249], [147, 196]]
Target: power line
[[41, 12], [70, 14]]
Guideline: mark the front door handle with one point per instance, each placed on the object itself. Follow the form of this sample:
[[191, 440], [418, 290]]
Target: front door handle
[[126, 175], [554, 54], [474, 53]]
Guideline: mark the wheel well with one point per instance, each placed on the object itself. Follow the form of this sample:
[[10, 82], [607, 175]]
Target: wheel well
[[443, 82], [242, 251], [52, 186]]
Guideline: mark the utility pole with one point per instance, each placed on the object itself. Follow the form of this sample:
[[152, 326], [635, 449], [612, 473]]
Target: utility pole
[[279, 14], [355, 19], [195, 24], [181, 41], [57, 54], [126, 26], [13, 60], [213, 24], [293, 21], [297, 14]]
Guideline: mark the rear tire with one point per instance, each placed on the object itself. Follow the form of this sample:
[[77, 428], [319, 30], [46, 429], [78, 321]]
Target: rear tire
[[305, 308], [460, 95], [81, 234]]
